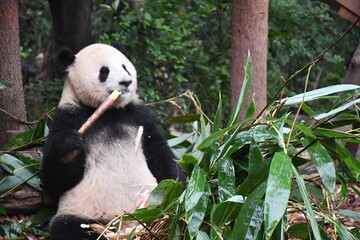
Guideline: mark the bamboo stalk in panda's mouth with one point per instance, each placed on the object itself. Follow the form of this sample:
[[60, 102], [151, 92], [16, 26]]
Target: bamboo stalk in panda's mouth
[[99, 111]]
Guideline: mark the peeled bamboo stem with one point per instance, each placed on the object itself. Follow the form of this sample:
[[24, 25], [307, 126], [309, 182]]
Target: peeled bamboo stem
[[99, 111]]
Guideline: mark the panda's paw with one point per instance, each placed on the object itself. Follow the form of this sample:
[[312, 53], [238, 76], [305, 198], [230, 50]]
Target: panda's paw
[[67, 145], [68, 141]]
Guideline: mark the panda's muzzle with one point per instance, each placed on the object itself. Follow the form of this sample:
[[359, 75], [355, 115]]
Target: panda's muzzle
[[125, 84]]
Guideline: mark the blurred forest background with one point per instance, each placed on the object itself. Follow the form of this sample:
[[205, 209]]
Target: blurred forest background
[[185, 45]]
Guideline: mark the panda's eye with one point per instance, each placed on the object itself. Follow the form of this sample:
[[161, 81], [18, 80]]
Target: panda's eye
[[124, 67], [104, 73]]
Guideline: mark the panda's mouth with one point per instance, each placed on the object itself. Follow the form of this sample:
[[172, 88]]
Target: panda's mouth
[[124, 91]]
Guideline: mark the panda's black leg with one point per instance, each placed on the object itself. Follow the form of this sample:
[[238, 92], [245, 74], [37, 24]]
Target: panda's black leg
[[68, 227]]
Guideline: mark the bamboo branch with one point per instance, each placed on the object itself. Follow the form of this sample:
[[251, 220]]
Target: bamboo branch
[[99, 111]]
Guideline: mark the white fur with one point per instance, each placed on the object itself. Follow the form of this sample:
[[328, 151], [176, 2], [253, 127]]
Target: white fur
[[83, 79], [115, 176]]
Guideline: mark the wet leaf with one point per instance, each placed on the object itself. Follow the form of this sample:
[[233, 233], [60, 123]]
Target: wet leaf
[[164, 193], [318, 93], [226, 179], [255, 156], [177, 140], [310, 212], [202, 236], [19, 170], [345, 156], [42, 216], [196, 200], [323, 163], [300, 230], [336, 110], [226, 211], [251, 216], [257, 176], [277, 191]]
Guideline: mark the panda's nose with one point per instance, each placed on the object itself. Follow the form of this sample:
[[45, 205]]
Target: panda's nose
[[125, 83]]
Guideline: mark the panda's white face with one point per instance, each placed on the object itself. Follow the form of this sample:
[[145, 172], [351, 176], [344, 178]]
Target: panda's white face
[[97, 71]]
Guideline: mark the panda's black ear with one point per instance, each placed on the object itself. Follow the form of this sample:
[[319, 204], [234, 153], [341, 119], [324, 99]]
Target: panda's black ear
[[63, 59], [119, 46]]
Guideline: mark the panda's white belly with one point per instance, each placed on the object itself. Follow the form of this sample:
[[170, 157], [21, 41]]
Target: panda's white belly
[[116, 175]]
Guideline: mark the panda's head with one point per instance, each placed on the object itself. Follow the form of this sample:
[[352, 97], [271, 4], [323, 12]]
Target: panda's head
[[94, 73]]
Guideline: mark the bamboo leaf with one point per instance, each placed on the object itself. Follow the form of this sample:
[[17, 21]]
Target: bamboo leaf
[[349, 213], [318, 93], [345, 156], [216, 135], [277, 191], [255, 156], [202, 236], [226, 179], [324, 132], [164, 193], [323, 163], [243, 93], [306, 200], [19, 170], [177, 140], [255, 178], [344, 234], [196, 200], [196, 187], [251, 216], [336, 110], [226, 211], [250, 110]]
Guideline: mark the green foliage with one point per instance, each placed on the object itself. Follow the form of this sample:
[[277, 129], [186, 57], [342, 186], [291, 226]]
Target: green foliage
[[243, 179], [10, 228]]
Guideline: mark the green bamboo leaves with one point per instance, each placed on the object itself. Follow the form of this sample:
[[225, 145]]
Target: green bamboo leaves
[[196, 200], [277, 191]]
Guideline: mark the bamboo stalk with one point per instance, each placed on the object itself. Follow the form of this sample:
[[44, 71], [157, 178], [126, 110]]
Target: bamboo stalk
[[99, 111]]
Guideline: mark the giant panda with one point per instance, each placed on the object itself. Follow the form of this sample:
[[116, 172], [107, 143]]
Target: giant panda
[[100, 174]]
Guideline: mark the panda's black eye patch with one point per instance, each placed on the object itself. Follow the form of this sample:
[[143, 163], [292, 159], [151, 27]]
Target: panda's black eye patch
[[104, 73], [124, 67]]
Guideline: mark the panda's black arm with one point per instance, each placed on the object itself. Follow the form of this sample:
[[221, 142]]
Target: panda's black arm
[[159, 155], [64, 156]]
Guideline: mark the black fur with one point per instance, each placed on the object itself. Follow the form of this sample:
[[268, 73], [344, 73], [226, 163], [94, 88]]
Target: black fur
[[63, 59], [65, 150], [68, 227], [103, 74]]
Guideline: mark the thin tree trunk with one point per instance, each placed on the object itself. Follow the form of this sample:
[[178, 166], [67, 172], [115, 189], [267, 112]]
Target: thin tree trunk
[[12, 98], [71, 28], [249, 29]]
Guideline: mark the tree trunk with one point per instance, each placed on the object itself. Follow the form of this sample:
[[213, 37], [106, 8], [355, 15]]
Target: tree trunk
[[71, 28], [249, 30], [12, 98]]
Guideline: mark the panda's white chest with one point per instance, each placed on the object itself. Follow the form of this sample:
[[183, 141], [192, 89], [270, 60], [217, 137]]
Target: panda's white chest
[[116, 176]]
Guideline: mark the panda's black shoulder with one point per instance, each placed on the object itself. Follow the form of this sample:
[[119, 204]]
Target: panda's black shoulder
[[142, 113]]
